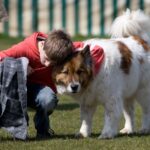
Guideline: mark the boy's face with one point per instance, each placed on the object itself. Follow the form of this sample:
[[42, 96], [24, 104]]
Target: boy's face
[[43, 57]]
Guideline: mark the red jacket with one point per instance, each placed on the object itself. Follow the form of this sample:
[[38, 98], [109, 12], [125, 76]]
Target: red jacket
[[97, 54], [28, 48]]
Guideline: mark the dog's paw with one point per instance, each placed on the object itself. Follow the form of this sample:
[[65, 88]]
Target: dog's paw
[[79, 135], [106, 136], [126, 131]]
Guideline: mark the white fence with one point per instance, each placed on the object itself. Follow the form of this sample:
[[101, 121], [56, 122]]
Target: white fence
[[75, 16]]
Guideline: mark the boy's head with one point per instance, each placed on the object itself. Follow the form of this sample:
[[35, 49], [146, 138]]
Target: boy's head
[[58, 47]]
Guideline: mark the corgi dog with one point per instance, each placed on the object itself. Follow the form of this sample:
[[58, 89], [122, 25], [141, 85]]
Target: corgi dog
[[113, 72]]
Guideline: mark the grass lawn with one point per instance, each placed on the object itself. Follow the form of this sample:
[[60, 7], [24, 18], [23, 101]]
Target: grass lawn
[[66, 122]]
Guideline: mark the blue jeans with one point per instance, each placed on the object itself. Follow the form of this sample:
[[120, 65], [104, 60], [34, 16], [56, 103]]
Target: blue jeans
[[44, 100]]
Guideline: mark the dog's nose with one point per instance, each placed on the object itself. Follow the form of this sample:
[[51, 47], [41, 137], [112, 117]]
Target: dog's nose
[[74, 87]]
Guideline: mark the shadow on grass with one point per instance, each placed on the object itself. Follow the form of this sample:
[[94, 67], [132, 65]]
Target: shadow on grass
[[55, 137], [67, 107], [71, 136], [32, 139], [96, 135]]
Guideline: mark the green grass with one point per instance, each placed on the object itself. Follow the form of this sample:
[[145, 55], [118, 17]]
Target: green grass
[[6, 41], [66, 122]]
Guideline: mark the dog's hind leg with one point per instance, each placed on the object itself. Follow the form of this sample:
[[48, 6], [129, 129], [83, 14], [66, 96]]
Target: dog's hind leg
[[87, 113], [113, 111], [143, 97], [129, 116]]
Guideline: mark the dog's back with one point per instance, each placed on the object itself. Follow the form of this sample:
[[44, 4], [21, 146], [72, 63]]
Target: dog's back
[[126, 66]]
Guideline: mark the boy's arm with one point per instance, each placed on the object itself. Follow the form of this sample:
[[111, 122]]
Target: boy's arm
[[16, 51]]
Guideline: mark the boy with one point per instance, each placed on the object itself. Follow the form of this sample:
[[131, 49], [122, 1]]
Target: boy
[[44, 52]]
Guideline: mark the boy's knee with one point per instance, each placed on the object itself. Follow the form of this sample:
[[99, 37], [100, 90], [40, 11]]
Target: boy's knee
[[47, 99], [51, 104]]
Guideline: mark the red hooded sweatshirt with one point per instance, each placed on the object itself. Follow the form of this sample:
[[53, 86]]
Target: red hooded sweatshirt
[[97, 54], [28, 48]]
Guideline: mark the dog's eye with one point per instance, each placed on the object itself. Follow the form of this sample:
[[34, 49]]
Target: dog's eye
[[65, 72], [80, 71]]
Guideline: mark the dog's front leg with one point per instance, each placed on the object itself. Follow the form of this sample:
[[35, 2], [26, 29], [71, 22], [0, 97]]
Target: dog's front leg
[[86, 113], [113, 111]]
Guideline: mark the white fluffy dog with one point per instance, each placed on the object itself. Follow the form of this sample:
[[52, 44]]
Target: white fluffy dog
[[122, 78]]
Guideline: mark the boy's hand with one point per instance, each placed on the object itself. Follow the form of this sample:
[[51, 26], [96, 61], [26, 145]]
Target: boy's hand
[[29, 70]]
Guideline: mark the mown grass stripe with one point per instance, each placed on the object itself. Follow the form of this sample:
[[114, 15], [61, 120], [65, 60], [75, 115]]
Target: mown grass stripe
[[34, 15], [20, 23]]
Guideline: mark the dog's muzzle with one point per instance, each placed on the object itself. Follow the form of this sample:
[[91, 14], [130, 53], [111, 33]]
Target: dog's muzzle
[[74, 87]]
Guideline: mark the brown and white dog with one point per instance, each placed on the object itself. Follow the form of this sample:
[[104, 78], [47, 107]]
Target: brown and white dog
[[123, 77]]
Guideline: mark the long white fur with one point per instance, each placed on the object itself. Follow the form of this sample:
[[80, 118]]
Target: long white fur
[[114, 89], [131, 23]]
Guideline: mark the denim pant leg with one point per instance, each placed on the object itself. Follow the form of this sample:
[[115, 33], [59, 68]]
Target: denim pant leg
[[45, 101]]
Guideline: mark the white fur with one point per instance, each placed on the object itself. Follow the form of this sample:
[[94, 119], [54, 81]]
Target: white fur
[[116, 90], [112, 87], [131, 23]]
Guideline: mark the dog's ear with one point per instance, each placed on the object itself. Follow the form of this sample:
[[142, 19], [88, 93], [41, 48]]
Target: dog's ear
[[87, 56]]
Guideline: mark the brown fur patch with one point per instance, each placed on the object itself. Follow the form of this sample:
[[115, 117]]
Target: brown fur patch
[[126, 59], [142, 42], [73, 70]]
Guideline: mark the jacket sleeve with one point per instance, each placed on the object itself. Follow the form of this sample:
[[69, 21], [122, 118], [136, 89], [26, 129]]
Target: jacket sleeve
[[16, 51], [97, 54], [78, 46]]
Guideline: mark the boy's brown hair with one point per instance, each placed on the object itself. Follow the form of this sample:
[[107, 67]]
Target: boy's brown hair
[[58, 46]]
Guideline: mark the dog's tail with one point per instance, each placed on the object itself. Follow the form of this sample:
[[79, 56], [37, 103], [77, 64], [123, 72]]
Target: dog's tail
[[131, 23]]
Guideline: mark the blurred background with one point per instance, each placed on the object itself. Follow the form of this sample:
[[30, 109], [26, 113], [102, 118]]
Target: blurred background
[[77, 17]]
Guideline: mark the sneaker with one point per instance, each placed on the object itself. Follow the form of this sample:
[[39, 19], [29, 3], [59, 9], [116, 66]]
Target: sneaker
[[45, 135]]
